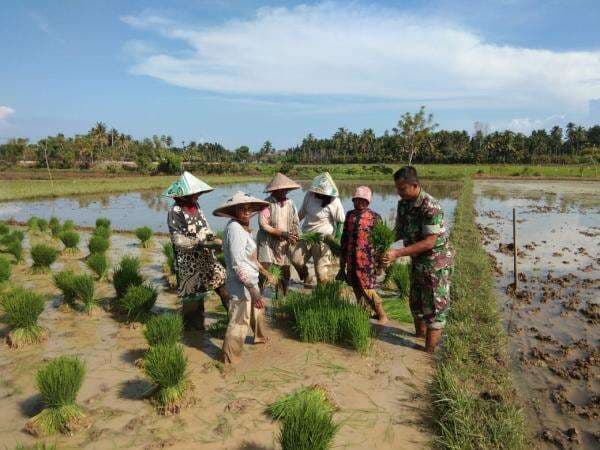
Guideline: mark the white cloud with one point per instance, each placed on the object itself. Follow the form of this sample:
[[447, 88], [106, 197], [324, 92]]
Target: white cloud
[[6, 112], [527, 125], [337, 49]]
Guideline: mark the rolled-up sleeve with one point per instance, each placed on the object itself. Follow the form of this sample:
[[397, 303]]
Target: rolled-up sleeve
[[432, 222]]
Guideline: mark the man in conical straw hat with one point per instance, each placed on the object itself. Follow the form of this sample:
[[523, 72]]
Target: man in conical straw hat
[[194, 246], [279, 228], [246, 306], [323, 215]]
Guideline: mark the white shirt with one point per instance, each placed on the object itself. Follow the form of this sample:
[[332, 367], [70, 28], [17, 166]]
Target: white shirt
[[239, 249], [319, 219]]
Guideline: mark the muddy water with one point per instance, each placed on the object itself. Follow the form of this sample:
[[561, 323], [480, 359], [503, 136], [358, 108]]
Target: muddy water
[[553, 320], [147, 208], [381, 396]]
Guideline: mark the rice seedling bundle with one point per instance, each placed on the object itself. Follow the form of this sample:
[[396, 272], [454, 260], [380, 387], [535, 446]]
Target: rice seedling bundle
[[68, 225], [218, 328], [166, 366], [276, 273], [15, 248], [98, 263], [4, 229], [400, 275], [21, 310], [43, 256], [335, 245], [32, 223], [70, 240], [127, 274], [59, 382], [42, 225], [14, 235], [84, 288], [164, 329], [311, 237], [144, 234], [170, 255], [98, 244], [65, 282], [54, 225], [382, 238], [36, 446], [102, 231], [102, 222], [137, 302], [306, 420], [5, 269]]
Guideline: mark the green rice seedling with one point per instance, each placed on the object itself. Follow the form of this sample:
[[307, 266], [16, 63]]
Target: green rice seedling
[[276, 274], [70, 240], [84, 288], [102, 231], [382, 238], [32, 223], [98, 263], [165, 329], [335, 245], [398, 309], [306, 420], [144, 234], [15, 248], [170, 255], [14, 235], [68, 225], [400, 275], [102, 222], [43, 257], [42, 225], [127, 274], [4, 229], [21, 309], [65, 282], [137, 302], [98, 244], [283, 404], [36, 446], [59, 382], [5, 269], [166, 366], [55, 227], [311, 237], [218, 328]]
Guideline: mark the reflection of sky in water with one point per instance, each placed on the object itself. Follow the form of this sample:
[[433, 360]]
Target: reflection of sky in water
[[136, 209]]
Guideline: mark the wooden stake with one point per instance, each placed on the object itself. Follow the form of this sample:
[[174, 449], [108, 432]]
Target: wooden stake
[[515, 251]]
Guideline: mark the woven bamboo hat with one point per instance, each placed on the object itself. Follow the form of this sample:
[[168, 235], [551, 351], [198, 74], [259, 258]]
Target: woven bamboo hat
[[324, 184], [187, 184], [280, 181], [227, 209]]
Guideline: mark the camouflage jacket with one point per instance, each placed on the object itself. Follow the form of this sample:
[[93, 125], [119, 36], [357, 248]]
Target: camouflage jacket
[[418, 219]]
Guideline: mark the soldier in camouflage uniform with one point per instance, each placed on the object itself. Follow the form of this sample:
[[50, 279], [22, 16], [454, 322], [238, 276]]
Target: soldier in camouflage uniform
[[420, 224]]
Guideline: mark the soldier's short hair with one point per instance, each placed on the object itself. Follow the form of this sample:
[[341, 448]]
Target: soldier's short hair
[[408, 174]]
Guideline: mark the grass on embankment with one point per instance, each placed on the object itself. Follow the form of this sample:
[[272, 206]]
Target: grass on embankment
[[475, 403]]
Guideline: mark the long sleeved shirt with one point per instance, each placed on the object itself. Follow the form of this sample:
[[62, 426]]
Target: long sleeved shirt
[[239, 249]]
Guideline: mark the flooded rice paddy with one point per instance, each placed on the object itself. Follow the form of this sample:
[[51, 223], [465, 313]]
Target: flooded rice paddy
[[553, 319], [148, 208]]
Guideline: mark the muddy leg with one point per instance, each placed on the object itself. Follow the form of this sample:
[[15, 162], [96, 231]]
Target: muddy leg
[[285, 279], [239, 320], [193, 312], [420, 327], [432, 339], [257, 323], [224, 296]]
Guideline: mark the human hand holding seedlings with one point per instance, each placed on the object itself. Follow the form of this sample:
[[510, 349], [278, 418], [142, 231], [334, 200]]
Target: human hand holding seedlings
[[412, 250]]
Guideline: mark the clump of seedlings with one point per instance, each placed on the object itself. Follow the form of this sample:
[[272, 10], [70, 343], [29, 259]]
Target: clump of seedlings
[[306, 418], [68, 225], [98, 263], [311, 237], [70, 240], [326, 315], [218, 328], [169, 266], [43, 257], [84, 288], [98, 244], [5, 269], [32, 223], [4, 229], [55, 227], [276, 274], [144, 234], [166, 366], [102, 222], [59, 382], [12, 243], [42, 225], [65, 282], [400, 275], [21, 310], [164, 329], [382, 238], [127, 274], [137, 303], [102, 231]]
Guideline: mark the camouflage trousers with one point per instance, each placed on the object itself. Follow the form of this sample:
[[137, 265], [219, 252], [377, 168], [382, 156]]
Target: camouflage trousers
[[430, 295]]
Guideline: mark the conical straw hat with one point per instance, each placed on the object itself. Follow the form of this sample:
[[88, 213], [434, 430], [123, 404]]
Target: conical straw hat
[[227, 209], [187, 184], [324, 184], [280, 181]]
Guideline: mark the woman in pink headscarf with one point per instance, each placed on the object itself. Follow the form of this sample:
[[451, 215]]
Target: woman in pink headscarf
[[358, 260]]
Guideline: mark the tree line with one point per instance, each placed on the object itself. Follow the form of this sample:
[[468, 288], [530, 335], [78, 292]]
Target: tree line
[[414, 139]]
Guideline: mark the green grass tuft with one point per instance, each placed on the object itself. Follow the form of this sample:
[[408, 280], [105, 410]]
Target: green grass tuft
[[218, 328], [70, 240], [68, 225], [276, 273], [164, 329], [382, 238], [4, 228], [137, 302], [144, 234], [84, 288], [98, 263], [166, 366], [102, 231], [43, 256], [98, 244], [21, 310], [42, 225], [54, 225], [400, 274], [102, 222], [397, 308], [127, 274], [311, 237], [65, 282], [5, 269], [170, 255], [32, 223]]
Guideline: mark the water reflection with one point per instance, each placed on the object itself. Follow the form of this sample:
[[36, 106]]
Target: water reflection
[[131, 210]]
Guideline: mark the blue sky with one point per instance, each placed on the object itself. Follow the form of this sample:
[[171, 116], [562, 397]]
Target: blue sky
[[244, 71]]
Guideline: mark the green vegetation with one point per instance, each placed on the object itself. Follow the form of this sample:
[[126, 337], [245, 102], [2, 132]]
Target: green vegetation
[[21, 310], [59, 382], [165, 329], [70, 240], [32, 223], [84, 288], [68, 225], [170, 255], [43, 257], [144, 234], [311, 237], [127, 274], [98, 244], [399, 273], [36, 446], [42, 225], [55, 227], [102, 222], [218, 328], [65, 282], [98, 263], [12, 243], [4, 228], [397, 308], [474, 399], [306, 418], [137, 302], [325, 315], [5, 269], [276, 274], [166, 366], [382, 238], [102, 232]]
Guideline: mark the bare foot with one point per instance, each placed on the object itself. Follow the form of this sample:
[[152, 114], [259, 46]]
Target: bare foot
[[264, 340]]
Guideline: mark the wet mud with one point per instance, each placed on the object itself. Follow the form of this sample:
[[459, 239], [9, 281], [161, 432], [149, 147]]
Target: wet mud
[[381, 397], [553, 316]]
